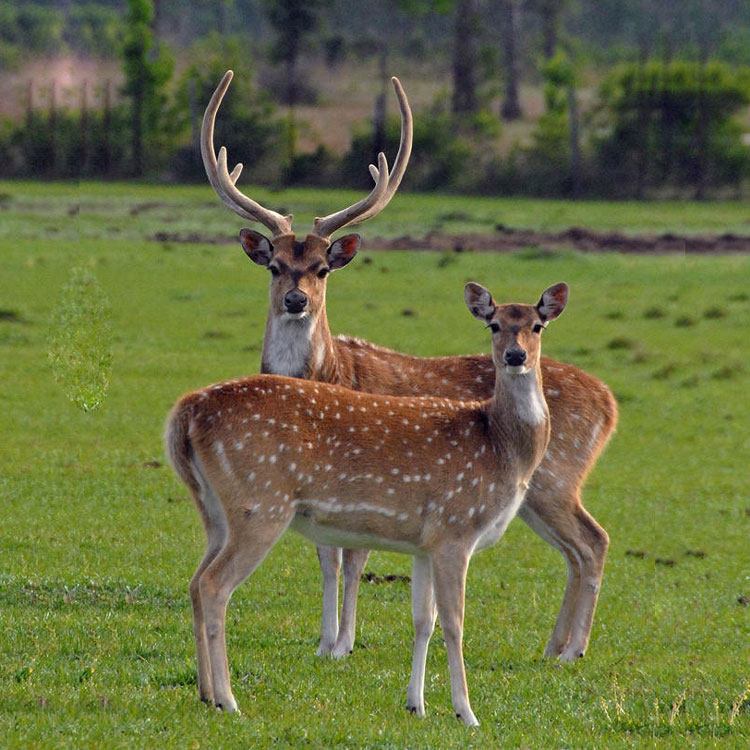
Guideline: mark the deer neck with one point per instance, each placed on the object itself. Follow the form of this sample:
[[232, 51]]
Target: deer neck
[[298, 347], [519, 415]]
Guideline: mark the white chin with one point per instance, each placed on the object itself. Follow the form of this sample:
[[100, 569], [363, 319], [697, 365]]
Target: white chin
[[294, 316], [516, 369]]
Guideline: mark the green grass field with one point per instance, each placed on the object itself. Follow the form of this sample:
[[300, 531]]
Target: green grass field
[[98, 539]]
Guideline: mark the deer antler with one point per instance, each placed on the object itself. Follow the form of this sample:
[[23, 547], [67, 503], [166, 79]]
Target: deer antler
[[223, 181], [386, 184]]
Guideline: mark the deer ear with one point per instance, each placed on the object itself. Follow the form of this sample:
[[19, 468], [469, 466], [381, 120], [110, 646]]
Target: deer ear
[[256, 246], [552, 302], [479, 301], [343, 250]]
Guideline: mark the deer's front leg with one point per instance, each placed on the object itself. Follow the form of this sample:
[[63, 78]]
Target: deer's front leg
[[423, 614], [449, 566], [354, 564], [330, 563]]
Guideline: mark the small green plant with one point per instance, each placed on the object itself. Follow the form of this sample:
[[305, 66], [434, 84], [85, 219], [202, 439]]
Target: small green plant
[[79, 348], [714, 313], [621, 342], [727, 372], [665, 372]]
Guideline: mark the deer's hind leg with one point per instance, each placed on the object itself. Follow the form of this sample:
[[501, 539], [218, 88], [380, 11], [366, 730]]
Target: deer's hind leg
[[330, 565], [354, 564], [247, 543], [215, 525], [558, 517], [593, 551]]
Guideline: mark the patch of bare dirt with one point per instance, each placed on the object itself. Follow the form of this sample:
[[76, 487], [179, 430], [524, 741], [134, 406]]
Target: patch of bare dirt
[[577, 238], [510, 240]]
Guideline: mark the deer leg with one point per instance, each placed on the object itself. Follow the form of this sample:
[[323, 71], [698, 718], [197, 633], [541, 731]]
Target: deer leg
[[584, 543], [214, 523], [449, 567], [238, 558], [564, 623], [205, 688], [330, 563], [354, 564], [593, 553], [423, 615]]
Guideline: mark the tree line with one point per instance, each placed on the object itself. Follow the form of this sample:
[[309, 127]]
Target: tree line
[[664, 120]]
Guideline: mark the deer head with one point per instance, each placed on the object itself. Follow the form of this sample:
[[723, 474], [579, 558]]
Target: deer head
[[516, 329], [299, 269]]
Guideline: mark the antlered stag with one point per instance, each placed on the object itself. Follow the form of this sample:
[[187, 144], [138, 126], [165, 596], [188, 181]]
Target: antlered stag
[[433, 478], [298, 343]]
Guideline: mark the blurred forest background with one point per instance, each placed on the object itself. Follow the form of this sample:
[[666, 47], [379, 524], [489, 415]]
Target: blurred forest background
[[609, 98]]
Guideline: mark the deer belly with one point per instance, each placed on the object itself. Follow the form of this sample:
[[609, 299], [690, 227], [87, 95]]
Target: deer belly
[[334, 536], [496, 528]]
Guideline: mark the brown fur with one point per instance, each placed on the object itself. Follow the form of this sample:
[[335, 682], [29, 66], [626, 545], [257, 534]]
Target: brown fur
[[432, 477], [583, 415]]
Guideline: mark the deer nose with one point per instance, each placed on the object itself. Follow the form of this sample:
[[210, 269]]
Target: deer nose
[[295, 301], [515, 357]]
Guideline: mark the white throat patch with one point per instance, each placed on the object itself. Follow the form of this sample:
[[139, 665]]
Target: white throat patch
[[288, 344], [527, 397]]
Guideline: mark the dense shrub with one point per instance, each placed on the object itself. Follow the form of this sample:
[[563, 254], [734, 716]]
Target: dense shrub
[[246, 124], [672, 124], [438, 158], [321, 167], [65, 144]]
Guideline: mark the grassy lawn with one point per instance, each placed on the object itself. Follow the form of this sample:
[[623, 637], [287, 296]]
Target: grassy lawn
[[98, 539]]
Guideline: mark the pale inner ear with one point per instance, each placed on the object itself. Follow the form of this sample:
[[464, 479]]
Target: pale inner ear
[[479, 301], [256, 247], [553, 302]]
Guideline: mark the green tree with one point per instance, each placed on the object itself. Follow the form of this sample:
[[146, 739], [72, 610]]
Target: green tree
[[465, 57], [467, 29], [553, 155], [511, 106], [293, 21], [550, 13], [148, 68]]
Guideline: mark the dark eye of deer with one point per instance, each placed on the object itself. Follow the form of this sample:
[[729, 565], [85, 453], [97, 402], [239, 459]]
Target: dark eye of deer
[[274, 271], [322, 273], [538, 327], [494, 327]]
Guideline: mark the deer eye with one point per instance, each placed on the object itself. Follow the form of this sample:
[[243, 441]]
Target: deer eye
[[538, 327], [494, 327], [274, 271], [323, 273]]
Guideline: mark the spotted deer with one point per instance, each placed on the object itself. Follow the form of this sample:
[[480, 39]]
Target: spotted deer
[[298, 343], [433, 478]]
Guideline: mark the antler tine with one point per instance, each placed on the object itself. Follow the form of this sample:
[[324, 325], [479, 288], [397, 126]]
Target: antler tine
[[360, 212], [404, 149], [326, 226], [222, 181]]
